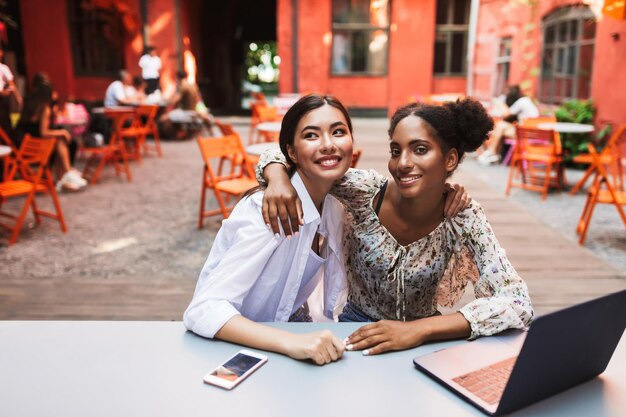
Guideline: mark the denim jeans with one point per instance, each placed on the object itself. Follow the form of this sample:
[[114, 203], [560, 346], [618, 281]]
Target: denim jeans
[[353, 314], [301, 315]]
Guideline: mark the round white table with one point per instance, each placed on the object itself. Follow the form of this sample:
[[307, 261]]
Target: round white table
[[258, 148], [4, 150], [562, 127], [269, 127]]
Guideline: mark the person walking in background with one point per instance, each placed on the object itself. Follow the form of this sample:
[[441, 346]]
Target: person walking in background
[[520, 108], [150, 65], [37, 119], [7, 89]]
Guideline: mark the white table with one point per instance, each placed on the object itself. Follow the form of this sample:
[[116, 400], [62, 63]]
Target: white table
[[269, 127], [82, 368], [562, 127], [4, 150], [258, 148]]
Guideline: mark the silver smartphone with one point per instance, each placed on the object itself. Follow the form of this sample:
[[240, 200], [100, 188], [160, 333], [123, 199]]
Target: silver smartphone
[[235, 369]]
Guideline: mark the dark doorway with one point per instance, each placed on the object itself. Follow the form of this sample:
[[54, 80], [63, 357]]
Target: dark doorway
[[226, 29]]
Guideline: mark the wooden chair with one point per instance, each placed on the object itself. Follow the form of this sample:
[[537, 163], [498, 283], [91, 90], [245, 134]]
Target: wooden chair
[[227, 129], [262, 113], [11, 159], [114, 152], [530, 122], [144, 124], [536, 157], [356, 155], [36, 177], [235, 184], [610, 156], [604, 191]]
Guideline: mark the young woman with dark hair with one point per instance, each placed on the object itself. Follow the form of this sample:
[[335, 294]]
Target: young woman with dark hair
[[37, 120], [405, 257]]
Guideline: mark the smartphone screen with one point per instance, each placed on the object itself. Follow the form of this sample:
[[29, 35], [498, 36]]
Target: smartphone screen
[[235, 367]]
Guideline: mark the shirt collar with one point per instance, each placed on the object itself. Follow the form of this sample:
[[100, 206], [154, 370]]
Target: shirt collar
[[310, 213]]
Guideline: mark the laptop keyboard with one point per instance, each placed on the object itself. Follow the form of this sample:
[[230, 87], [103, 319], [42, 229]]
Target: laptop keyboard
[[488, 383]]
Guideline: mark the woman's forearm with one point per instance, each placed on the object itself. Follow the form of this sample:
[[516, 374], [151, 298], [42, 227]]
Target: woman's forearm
[[246, 332], [449, 326]]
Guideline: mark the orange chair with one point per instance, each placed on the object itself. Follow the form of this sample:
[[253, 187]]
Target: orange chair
[[537, 155], [35, 178], [114, 152], [229, 146], [598, 194], [227, 129], [262, 113], [11, 159], [536, 121], [356, 155], [610, 155], [144, 124]]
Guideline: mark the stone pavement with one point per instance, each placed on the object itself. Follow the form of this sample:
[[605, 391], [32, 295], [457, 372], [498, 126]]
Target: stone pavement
[[133, 251]]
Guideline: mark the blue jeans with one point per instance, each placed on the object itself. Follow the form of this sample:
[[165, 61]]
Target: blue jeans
[[352, 314], [301, 315]]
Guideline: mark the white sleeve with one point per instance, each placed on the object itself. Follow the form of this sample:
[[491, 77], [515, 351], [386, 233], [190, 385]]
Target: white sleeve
[[118, 92], [6, 73], [241, 250], [142, 61]]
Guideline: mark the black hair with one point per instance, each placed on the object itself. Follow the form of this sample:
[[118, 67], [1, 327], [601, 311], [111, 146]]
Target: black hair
[[514, 94], [39, 97], [181, 75], [137, 81], [462, 125], [148, 49], [297, 112]]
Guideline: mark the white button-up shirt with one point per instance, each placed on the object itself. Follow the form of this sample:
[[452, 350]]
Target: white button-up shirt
[[251, 272]]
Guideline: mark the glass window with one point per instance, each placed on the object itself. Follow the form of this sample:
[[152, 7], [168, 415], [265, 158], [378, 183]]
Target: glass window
[[360, 37], [97, 40], [451, 37], [503, 66], [567, 60]]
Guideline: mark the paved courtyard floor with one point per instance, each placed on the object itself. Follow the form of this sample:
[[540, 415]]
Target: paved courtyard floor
[[133, 251]]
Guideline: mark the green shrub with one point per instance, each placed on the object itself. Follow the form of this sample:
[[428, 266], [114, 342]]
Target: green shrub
[[575, 111]]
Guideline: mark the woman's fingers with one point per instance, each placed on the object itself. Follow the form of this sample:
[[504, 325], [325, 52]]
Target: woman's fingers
[[273, 218], [379, 348]]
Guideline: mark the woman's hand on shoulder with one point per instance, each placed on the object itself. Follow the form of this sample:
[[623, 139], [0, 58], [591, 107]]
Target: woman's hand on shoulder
[[320, 347], [386, 335], [281, 203], [457, 199]]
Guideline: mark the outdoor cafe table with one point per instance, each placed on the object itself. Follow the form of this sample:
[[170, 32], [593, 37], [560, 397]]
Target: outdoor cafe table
[[4, 151], [562, 127], [85, 368]]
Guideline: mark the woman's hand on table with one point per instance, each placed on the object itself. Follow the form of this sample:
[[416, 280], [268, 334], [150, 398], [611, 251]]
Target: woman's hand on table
[[386, 335], [320, 347]]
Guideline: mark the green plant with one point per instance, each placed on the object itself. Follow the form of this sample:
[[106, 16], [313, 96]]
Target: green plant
[[575, 111]]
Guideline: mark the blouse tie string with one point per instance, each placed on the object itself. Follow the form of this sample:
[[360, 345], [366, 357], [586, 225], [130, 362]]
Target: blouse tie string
[[397, 274]]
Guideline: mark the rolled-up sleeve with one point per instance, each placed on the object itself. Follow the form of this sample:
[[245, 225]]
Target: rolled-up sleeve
[[239, 255], [502, 299]]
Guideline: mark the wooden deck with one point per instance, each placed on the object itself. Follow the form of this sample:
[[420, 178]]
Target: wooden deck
[[154, 278]]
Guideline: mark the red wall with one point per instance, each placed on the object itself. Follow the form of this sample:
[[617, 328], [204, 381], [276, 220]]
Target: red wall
[[409, 66], [47, 48], [501, 18]]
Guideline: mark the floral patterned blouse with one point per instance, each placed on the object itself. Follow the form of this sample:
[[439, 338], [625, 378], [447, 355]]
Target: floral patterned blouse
[[388, 280]]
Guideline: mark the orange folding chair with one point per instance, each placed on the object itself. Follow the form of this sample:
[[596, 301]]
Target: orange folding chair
[[604, 190], [114, 152], [233, 184], [356, 155], [536, 157], [227, 129], [36, 177], [609, 156], [262, 113], [11, 159], [135, 136]]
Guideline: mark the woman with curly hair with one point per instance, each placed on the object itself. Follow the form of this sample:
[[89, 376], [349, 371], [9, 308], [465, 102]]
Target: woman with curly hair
[[404, 256]]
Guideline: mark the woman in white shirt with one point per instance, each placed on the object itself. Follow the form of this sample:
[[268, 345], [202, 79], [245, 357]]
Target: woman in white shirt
[[150, 65], [252, 275]]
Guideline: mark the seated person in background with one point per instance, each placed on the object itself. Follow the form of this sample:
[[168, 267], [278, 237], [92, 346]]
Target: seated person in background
[[37, 119], [115, 94], [136, 92], [185, 104], [520, 107]]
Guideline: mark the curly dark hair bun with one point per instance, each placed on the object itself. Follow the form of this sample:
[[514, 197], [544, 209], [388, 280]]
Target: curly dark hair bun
[[472, 123]]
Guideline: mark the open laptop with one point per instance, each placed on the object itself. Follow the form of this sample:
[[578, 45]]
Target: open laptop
[[501, 374]]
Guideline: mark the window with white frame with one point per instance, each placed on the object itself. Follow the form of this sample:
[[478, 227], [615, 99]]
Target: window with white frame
[[360, 37], [451, 37], [567, 57], [503, 66]]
